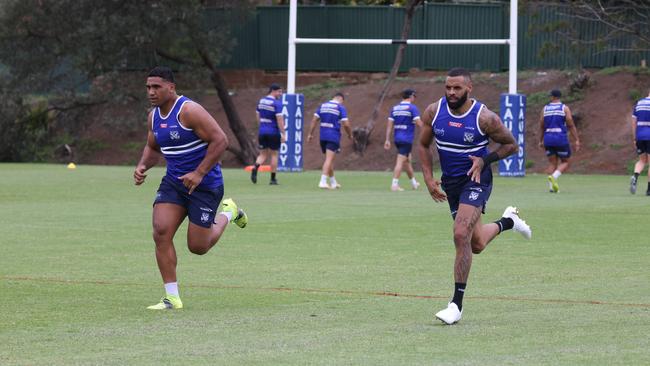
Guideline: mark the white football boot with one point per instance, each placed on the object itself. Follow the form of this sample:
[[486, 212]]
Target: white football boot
[[520, 225], [450, 315]]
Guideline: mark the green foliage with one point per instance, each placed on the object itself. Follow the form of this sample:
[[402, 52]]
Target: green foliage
[[636, 70], [530, 164], [58, 48], [537, 99], [321, 90], [635, 94]]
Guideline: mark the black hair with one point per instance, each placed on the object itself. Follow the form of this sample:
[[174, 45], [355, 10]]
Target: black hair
[[274, 86], [459, 71], [163, 72], [339, 94], [407, 93], [555, 93]]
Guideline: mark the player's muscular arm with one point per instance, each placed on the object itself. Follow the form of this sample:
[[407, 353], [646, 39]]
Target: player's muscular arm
[[312, 127], [541, 129], [492, 126], [280, 121], [389, 128], [150, 155], [634, 131], [572, 127], [194, 116], [348, 128], [426, 156]]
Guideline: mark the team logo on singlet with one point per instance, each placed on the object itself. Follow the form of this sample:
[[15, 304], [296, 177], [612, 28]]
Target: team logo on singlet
[[468, 137], [174, 135], [205, 217], [473, 196]]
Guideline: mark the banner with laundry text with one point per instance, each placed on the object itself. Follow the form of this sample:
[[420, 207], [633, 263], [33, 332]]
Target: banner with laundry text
[[513, 115], [290, 156]]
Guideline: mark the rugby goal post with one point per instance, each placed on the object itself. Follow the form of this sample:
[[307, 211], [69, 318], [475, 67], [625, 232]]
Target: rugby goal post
[[511, 117]]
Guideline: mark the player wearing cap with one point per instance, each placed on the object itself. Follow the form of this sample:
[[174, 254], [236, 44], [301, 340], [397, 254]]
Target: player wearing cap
[[271, 132], [554, 121], [403, 118]]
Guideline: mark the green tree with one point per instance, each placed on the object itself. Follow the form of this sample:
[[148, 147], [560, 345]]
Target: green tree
[[608, 22], [53, 47]]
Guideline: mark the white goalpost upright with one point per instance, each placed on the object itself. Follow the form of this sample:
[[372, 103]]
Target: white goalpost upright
[[512, 104], [293, 40]]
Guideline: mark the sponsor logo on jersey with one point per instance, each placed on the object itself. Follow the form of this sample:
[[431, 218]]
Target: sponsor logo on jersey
[[455, 124], [439, 131], [163, 125], [206, 209]]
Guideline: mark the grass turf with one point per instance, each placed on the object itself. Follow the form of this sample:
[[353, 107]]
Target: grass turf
[[320, 277]]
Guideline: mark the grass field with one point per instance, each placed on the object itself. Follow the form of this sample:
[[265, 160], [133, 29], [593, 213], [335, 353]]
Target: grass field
[[349, 277]]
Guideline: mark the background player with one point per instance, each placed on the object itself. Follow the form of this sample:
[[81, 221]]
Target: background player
[[461, 127], [271, 132], [403, 118], [331, 115], [641, 135], [553, 123], [191, 142]]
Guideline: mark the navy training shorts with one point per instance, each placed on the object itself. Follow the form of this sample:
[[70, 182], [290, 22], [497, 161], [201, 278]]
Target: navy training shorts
[[643, 147], [563, 152], [329, 145], [403, 148], [272, 142], [462, 189], [201, 205]]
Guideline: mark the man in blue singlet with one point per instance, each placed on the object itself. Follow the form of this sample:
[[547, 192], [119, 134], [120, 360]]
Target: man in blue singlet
[[554, 121], [332, 115], [641, 135], [271, 132], [403, 118], [192, 143], [462, 128]]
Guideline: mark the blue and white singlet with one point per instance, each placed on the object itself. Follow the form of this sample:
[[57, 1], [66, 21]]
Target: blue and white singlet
[[331, 115], [458, 137], [642, 114], [404, 116], [555, 125], [182, 148], [269, 109]]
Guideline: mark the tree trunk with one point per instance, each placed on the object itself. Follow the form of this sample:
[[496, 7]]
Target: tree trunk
[[247, 152], [362, 134]]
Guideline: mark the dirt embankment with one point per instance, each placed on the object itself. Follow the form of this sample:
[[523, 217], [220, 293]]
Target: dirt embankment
[[603, 109]]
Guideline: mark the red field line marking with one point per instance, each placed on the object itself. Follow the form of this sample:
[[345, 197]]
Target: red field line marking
[[335, 291]]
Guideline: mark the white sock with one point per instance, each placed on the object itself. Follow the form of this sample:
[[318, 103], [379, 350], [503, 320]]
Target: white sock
[[228, 214], [332, 181], [550, 186], [395, 181], [323, 179], [556, 174], [171, 288], [414, 182]]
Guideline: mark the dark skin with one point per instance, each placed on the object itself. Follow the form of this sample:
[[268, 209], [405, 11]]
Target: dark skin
[[167, 217], [470, 235]]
